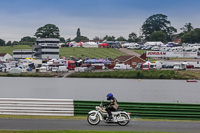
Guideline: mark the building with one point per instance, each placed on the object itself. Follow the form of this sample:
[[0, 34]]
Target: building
[[23, 53], [5, 57], [46, 48], [131, 60]]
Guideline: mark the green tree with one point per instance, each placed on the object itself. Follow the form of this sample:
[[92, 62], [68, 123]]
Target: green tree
[[197, 30], [105, 38], [187, 27], [9, 43], [78, 37], [121, 38], [28, 39], [2, 42], [158, 36], [109, 38], [132, 37], [190, 37], [68, 40], [96, 38], [62, 40], [81, 38], [78, 33], [157, 22], [48, 31]]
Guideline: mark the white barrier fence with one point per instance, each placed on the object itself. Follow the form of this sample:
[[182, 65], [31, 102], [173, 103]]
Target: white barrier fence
[[27, 106]]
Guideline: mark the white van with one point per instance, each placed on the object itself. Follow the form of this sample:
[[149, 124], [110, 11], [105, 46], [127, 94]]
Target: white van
[[180, 66], [43, 69], [122, 67], [62, 69]]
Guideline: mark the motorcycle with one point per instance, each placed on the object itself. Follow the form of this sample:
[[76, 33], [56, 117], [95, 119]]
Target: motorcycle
[[119, 116]]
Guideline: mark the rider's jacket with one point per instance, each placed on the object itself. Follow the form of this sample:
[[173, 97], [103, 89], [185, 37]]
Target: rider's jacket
[[113, 103]]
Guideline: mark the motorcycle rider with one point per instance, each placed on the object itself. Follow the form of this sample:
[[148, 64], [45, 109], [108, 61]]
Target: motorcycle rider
[[112, 105]]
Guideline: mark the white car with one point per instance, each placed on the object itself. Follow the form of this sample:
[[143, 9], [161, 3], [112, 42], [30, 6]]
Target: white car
[[15, 70]]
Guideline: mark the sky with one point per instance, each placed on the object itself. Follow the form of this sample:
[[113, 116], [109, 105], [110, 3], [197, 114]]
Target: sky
[[20, 18]]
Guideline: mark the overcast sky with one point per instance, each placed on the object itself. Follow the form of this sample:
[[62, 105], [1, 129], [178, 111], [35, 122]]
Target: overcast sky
[[20, 18]]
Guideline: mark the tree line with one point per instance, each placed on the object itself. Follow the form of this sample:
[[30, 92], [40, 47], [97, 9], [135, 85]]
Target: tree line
[[155, 28]]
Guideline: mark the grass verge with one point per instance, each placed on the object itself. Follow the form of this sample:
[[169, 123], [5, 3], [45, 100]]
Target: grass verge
[[151, 74], [29, 74], [77, 131]]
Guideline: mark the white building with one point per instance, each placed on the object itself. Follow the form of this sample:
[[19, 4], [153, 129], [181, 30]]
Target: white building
[[46, 48], [22, 54], [5, 57]]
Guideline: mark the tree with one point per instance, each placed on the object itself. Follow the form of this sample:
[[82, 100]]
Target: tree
[[96, 38], [28, 39], [109, 38], [9, 43], [158, 36], [68, 40], [157, 22], [2, 42], [62, 40], [78, 37], [132, 37], [187, 27], [105, 38], [192, 36], [121, 38], [78, 33], [48, 31]]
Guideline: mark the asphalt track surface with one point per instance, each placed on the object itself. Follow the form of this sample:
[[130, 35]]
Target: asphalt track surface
[[44, 124]]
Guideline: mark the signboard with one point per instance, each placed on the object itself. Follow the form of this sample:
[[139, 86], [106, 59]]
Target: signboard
[[171, 54]]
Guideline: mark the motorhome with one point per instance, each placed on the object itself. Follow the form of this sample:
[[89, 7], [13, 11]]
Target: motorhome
[[122, 67], [152, 66], [180, 66]]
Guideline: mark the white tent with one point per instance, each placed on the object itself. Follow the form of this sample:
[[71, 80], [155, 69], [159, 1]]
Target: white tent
[[90, 45], [154, 44]]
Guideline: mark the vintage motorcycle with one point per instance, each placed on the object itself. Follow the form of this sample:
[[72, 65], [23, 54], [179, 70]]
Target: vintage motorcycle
[[119, 116]]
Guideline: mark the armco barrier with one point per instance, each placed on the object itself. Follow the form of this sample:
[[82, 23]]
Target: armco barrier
[[147, 110], [27, 106]]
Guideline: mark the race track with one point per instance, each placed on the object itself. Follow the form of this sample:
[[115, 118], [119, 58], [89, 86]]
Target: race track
[[43, 124]]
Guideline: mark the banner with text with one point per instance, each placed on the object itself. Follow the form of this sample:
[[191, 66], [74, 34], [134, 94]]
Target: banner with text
[[171, 54]]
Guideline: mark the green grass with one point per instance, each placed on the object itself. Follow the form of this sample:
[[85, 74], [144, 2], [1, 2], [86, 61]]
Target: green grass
[[30, 74], [9, 49], [74, 52], [77, 131], [90, 52], [139, 51], [133, 74]]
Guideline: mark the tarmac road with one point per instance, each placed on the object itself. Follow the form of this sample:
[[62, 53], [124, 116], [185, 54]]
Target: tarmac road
[[44, 124]]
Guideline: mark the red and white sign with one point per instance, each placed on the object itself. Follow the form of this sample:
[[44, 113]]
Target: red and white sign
[[171, 54]]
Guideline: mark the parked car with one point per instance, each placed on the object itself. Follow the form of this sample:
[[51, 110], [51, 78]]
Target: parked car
[[15, 70], [189, 66]]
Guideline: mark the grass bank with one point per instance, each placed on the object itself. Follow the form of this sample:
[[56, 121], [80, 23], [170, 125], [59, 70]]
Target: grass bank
[[30, 75], [77, 131], [9, 49], [90, 52], [151, 74], [74, 52]]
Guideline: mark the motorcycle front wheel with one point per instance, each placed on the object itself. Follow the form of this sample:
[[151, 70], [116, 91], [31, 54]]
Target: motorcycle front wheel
[[125, 118], [92, 119]]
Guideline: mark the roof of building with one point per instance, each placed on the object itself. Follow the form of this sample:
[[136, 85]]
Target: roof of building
[[125, 58], [2, 54]]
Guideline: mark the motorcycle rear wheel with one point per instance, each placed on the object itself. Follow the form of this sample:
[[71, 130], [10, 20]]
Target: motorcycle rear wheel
[[124, 123], [95, 121]]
